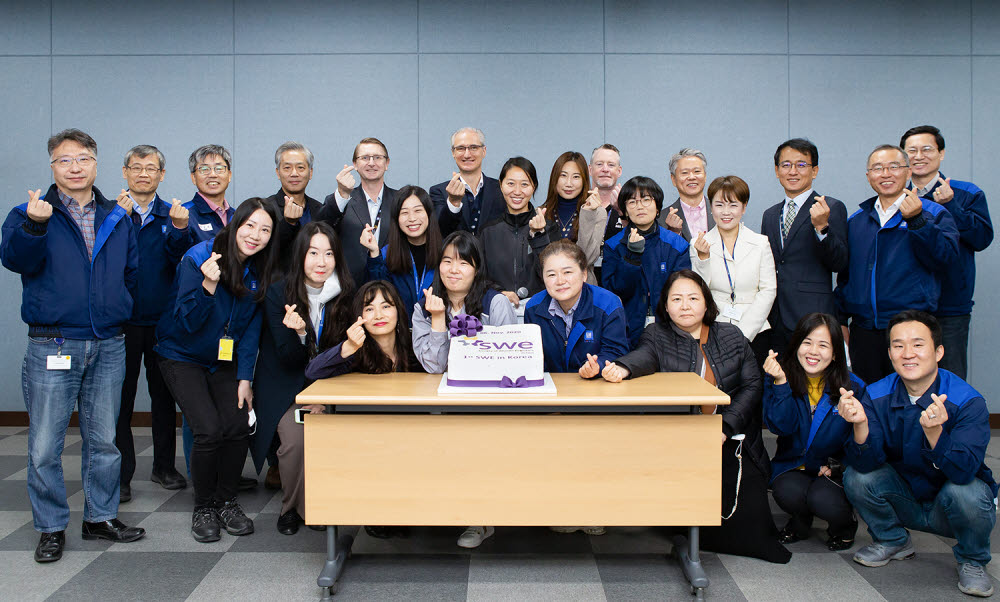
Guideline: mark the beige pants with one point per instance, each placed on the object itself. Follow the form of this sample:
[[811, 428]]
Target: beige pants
[[291, 463]]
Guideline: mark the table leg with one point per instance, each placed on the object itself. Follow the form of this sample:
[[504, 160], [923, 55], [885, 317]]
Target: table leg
[[687, 552], [337, 551]]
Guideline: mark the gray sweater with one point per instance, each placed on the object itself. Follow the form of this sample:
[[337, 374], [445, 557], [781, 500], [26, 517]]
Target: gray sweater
[[431, 348]]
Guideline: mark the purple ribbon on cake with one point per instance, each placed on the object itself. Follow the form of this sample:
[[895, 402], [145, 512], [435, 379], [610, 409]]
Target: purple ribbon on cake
[[507, 383], [464, 325]]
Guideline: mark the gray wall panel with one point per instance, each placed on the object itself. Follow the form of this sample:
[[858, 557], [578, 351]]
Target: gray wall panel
[[25, 28], [985, 27]]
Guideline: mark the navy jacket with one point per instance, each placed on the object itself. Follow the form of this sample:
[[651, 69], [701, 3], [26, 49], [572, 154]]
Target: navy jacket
[[804, 265], [598, 329], [975, 233], [63, 289], [350, 223], [410, 290], [286, 232], [804, 438], [191, 329], [204, 223], [895, 435], [896, 267], [637, 278], [489, 200], [161, 247]]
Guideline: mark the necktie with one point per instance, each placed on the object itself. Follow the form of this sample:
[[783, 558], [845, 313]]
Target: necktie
[[790, 212]]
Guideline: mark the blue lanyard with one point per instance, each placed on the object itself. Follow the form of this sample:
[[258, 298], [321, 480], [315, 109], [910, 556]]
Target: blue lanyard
[[423, 274], [725, 262], [319, 329]]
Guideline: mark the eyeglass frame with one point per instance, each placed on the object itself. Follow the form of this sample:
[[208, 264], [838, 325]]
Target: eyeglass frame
[[66, 161], [371, 158], [893, 168], [786, 166], [153, 171], [645, 201], [219, 170]]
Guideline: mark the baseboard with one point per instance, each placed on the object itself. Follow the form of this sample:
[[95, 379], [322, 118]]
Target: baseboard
[[21, 419]]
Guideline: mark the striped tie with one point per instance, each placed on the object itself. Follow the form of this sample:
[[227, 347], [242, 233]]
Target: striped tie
[[790, 212]]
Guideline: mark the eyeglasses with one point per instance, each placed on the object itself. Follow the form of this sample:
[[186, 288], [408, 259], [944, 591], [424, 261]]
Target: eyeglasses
[[207, 169], [893, 168], [646, 201], [924, 150], [138, 169], [474, 148], [371, 158], [787, 165], [66, 162]]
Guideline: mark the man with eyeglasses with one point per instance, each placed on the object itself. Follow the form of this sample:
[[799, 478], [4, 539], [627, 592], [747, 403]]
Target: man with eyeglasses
[[470, 199], [293, 163], [900, 246], [162, 235], [352, 208], [966, 202], [690, 213], [211, 171], [76, 253], [808, 236]]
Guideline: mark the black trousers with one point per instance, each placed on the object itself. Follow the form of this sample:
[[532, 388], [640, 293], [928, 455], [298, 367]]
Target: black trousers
[[804, 496], [955, 338], [869, 354], [221, 433], [139, 341]]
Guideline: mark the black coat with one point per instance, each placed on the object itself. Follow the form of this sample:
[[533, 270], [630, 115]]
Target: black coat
[[805, 264], [350, 223], [510, 253], [663, 349], [286, 232], [491, 206]]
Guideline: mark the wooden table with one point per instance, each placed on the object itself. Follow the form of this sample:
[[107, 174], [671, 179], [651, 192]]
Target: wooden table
[[506, 460]]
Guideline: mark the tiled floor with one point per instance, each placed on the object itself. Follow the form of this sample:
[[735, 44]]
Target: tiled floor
[[516, 564]]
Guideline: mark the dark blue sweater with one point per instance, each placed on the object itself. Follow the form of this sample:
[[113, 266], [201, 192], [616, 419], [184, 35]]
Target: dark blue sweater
[[161, 247], [805, 438], [191, 329], [896, 267], [895, 435], [64, 290], [410, 291], [598, 328]]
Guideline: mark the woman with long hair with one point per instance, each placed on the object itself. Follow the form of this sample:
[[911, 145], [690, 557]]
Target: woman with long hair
[[303, 313], [801, 393], [207, 344], [574, 208]]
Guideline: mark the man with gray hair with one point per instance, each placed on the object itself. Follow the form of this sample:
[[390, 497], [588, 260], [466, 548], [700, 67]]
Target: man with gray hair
[[162, 235], [689, 214], [293, 163], [470, 199], [211, 171], [76, 254], [605, 169]]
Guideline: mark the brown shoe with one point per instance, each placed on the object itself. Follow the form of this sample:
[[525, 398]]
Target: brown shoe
[[273, 478]]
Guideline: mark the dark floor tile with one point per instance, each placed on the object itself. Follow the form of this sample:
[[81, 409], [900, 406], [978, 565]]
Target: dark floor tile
[[659, 577], [139, 576], [929, 577], [405, 578]]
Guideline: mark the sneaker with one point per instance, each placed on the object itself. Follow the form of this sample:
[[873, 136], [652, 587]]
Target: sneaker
[[205, 525], [876, 554], [473, 536], [586, 530], [233, 519], [974, 581]]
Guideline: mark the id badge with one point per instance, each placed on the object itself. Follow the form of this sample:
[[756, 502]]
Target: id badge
[[732, 312], [226, 349], [649, 320], [57, 362]]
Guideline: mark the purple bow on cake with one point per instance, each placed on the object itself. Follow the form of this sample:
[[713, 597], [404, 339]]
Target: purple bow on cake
[[464, 325], [507, 383]]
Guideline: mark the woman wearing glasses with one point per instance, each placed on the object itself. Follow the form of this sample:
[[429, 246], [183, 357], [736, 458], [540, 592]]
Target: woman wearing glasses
[[736, 262], [640, 258]]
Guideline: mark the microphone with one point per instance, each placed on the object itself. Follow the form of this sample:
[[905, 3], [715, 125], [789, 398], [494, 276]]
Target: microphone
[[522, 293]]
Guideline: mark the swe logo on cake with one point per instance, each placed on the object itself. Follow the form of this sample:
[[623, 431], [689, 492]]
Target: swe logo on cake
[[497, 356]]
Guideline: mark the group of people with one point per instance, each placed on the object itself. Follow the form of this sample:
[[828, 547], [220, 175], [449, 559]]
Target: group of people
[[234, 310]]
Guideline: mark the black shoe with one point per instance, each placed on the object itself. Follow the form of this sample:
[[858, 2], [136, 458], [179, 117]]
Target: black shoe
[[317, 527], [839, 544], [246, 483], [50, 546], [273, 478], [169, 479], [125, 493], [788, 535], [288, 523], [233, 520], [112, 530], [387, 531], [205, 525]]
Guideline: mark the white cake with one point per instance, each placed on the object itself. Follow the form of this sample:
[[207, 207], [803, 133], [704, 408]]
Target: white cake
[[499, 356]]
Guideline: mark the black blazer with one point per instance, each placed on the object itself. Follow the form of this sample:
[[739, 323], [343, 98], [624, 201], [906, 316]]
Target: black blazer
[[350, 223], [492, 207], [685, 232], [805, 266], [286, 232]]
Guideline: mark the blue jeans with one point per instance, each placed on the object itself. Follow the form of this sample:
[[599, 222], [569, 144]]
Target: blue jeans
[[94, 381], [965, 512]]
